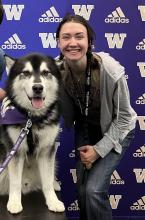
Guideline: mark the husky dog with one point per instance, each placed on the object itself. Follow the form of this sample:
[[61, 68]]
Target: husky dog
[[33, 87]]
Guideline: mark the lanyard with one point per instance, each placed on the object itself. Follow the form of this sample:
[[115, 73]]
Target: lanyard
[[87, 89], [17, 144]]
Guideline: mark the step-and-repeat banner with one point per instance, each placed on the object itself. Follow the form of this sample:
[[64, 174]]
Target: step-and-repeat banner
[[30, 26]]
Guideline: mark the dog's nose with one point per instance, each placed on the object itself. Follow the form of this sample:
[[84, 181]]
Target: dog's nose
[[37, 88]]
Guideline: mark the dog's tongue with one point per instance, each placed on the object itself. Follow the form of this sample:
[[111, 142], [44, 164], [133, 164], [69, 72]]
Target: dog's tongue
[[37, 102]]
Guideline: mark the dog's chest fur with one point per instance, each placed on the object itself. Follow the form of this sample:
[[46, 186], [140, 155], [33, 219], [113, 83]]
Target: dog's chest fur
[[39, 138]]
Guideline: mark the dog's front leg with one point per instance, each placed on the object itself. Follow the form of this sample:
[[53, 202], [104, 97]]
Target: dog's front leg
[[46, 166], [15, 169]]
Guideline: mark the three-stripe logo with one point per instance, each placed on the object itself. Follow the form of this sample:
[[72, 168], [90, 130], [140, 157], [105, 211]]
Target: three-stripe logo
[[139, 204], [141, 100], [50, 15], [115, 179], [141, 45], [73, 206], [117, 16], [14, 43], [140, 152]]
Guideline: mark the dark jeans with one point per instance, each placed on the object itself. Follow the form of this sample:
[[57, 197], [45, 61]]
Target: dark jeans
[[93, 184]]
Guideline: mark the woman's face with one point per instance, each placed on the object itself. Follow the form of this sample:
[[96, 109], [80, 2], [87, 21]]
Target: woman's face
[[73, 41]]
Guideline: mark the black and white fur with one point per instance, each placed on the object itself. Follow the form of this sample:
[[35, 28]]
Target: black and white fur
[[33, 86]]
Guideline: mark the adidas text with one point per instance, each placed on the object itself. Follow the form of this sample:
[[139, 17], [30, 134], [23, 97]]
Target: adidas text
[[117, 182], [140, 47], [72, 154], [13, 46], [137, 207], [140, 102], [117, 20], [139, 154], [74, 206], [47, 19]]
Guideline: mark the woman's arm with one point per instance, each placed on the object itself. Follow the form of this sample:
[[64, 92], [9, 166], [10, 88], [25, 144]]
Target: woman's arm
[[2, 94], [123, 120]]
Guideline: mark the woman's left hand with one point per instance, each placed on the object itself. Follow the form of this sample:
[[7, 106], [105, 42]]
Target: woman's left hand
[[88, 154]]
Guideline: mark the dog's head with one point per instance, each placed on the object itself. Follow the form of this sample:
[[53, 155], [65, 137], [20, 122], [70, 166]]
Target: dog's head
[[33, 82]]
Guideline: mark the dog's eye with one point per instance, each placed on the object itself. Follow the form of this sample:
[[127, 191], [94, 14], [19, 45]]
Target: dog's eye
[[26, 73], [45, 73]]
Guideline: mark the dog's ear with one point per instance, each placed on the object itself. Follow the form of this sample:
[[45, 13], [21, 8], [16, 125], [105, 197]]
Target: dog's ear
[[9, 63]]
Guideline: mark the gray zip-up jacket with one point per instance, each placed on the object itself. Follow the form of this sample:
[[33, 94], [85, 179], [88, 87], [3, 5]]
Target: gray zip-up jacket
[[117, 116], [117, 119]]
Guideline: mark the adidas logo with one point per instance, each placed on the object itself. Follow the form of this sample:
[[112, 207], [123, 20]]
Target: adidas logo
[[140, 152], [73, 206], [126, 76], [139, 205], [72, 154], [115, 179], [141, 100], [141, 45], [14, 43], [50, 16], [60, 129], [117, 16]]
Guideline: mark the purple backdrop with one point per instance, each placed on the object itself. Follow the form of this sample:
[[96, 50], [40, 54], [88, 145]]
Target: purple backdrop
[[30, 26]]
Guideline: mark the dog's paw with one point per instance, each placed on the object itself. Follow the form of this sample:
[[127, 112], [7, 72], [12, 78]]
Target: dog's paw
[[56, 206], [56, 185], [6, 105], [14, 207]]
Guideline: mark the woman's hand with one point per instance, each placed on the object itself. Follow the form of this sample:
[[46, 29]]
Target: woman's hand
[[88, 155]]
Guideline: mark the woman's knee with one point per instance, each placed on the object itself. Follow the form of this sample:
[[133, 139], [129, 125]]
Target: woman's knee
[[93, 189]]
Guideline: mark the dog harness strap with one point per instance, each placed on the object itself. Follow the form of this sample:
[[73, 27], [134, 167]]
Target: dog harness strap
[[16, 146]]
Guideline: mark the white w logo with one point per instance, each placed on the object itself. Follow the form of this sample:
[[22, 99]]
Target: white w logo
[[13, 11], [140, 175], [48, 40], [74, 176], [115, 39], [83, 10], [142, 12], [141, 66], [114, 200], [141, 120]]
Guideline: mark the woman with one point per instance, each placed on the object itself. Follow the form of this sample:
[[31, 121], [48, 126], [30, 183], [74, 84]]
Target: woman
[[97, 99]]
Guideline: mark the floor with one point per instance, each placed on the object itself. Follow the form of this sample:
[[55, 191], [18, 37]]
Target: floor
[[34, 208]]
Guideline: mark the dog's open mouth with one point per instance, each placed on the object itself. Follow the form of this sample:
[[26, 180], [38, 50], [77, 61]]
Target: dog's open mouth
[[37, 102]]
